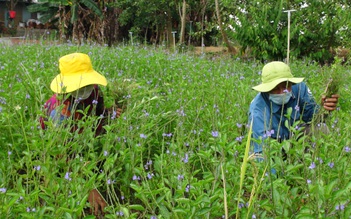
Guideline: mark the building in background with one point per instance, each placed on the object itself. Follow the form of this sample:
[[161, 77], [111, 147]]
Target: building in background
[[18, 16]]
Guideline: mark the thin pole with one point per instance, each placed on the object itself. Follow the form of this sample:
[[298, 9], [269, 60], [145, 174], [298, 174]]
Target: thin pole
[[174, 45], [288, 49]]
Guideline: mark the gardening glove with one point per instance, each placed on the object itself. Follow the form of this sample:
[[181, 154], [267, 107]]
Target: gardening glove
[[97, 202], [330, 102]]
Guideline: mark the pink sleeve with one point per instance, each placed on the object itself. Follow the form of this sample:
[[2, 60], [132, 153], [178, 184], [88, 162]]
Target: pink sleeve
[[48, 107]]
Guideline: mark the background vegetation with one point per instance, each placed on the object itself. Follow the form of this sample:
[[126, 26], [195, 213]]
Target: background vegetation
[[178, 150], [318, 30]]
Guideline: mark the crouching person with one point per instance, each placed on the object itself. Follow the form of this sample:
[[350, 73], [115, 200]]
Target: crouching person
[[76, 90]]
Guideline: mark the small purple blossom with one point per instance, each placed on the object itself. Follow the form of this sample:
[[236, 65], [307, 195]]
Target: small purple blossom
[[3, 190], [185, 159], [143, 136], [150, 175], [9, 153], [119, 213], [37, 168], [340, 207], [105, 153], [308, 181], [67, 176], [167, 135], [331, 164], [347, 149], [114, 114], [136, 178], [239, 125], [215, 134], [94, 102], [241, 205], [153, 217], [297, 108], [312, 166], [180, 177], [239, 138], [187, 188]]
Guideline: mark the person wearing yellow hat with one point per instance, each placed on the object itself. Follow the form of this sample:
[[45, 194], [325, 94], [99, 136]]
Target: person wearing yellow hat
[[278, 92], [78, 84]]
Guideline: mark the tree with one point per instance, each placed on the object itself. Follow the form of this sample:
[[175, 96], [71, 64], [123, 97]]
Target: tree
[[316, 27], [81, 14], [231, 49]]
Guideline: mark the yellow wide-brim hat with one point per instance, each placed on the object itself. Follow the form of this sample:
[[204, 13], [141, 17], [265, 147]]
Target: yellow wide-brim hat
[[76, 71], [274, 73]]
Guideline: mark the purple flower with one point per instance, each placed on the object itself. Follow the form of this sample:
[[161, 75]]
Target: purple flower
[[187, 188], [114, 114], [347, 149], [185, 159], [241, 205], [28, 209], [94, 102], [119, 213], [150, 175], [239, 125], [3, 190], [215, 134], [253, 216], [105, 153], [312, 166], [136, 178], [167, 135], [340, 207], [37, 168], [143, 136], [308, 181], [297, 108], [9, 153], [67, 176], [239, 139], [180, 177], [153, 217], [331, 164]]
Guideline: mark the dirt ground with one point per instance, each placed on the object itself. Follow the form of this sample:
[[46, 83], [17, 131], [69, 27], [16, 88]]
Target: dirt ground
[[210, 49]]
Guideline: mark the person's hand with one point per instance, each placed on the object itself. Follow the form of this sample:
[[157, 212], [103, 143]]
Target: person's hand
[[114, 112], [329, 103], [97, 202]]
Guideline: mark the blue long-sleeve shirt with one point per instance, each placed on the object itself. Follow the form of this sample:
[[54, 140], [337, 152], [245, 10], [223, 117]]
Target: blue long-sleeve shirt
[[269, 119]]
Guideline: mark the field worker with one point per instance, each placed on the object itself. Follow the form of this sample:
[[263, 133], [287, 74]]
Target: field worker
[[75, 89], [278, 92]]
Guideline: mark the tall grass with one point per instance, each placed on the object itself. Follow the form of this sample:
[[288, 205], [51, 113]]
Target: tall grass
[[176, 151]]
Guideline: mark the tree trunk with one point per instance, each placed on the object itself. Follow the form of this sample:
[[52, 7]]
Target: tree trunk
[[169, 35], [183, 23], [231, 49]]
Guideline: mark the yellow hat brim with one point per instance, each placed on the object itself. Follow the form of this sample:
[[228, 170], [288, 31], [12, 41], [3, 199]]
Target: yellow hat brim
[[266, 87], [66, 84]]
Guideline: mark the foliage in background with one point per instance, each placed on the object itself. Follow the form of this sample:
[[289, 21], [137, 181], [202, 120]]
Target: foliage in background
[[258, 27], [176, 151], [316, 29]]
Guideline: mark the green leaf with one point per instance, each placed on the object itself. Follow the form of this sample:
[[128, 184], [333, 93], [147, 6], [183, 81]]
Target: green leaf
[[137, 207]]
